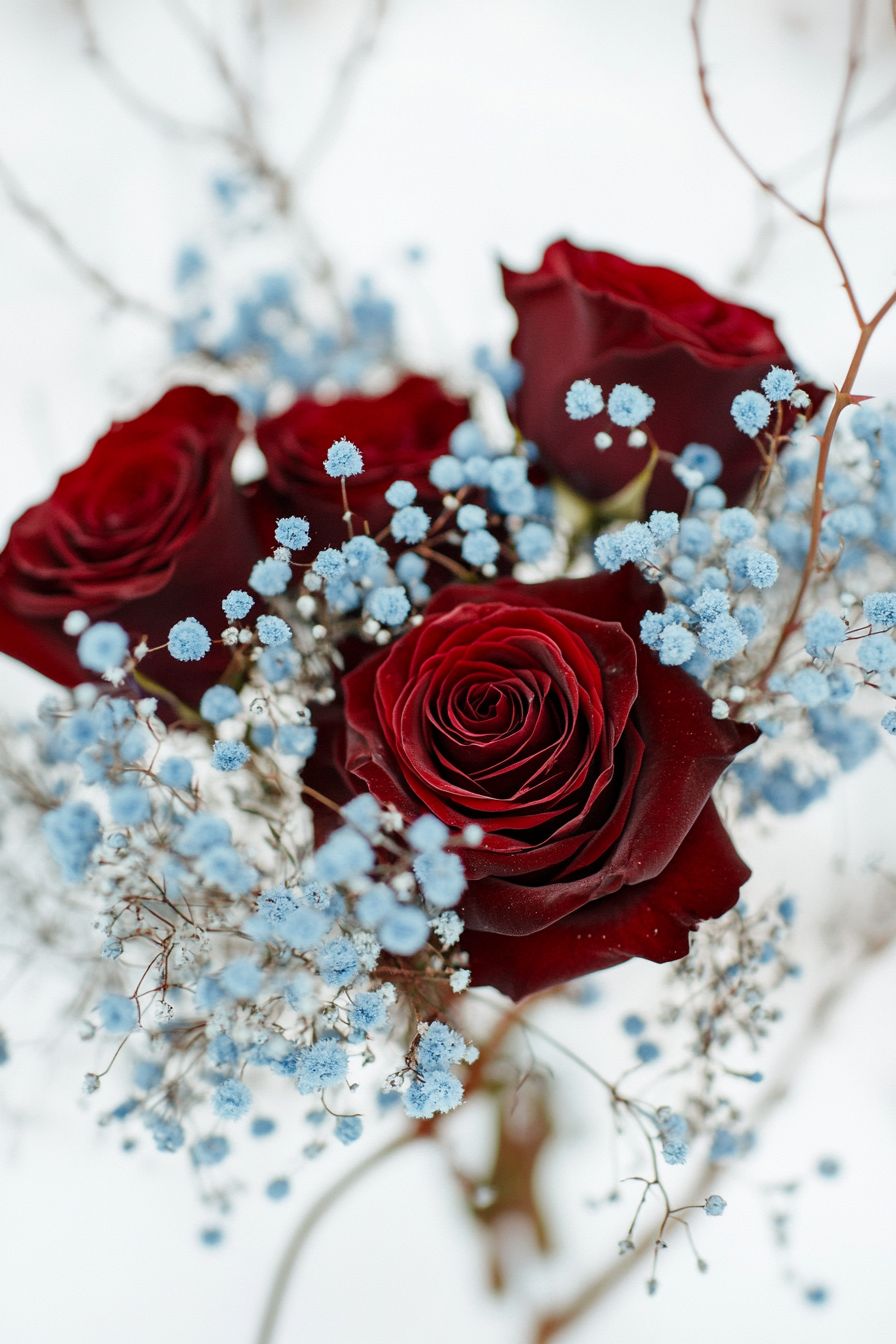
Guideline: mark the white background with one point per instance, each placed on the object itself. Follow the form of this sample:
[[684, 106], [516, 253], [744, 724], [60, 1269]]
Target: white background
[[476, 130]]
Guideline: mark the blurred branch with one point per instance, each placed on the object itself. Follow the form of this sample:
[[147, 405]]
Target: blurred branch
[[94, 277], [306, 1227], [874, 942], [858, 11], [347, 76]]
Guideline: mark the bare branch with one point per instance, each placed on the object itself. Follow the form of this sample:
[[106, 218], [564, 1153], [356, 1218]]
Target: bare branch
[[347, 76], [91, 274], [853, 62]]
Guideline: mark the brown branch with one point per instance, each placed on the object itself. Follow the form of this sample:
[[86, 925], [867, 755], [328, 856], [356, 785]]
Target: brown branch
[[94, 277]]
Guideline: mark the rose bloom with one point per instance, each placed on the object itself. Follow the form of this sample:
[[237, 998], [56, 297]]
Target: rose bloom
[[149, 530], [399, 435], [536, 712], [594, 315]]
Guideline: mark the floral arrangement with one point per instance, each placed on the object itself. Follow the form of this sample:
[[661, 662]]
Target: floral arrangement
[[443, 703]]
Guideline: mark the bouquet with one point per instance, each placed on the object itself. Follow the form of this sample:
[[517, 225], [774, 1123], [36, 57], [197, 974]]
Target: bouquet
[[367, 760]]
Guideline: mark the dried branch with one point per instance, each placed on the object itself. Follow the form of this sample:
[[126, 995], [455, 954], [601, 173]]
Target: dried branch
[[347, 76], [91, 274]]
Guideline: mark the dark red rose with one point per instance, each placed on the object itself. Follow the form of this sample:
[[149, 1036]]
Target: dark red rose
[[149, 530], [399, 436], [594, 315], [536, 711]]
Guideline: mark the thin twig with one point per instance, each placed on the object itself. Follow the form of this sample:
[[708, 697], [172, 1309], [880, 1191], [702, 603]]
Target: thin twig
[[41, 221], [308, 1224]]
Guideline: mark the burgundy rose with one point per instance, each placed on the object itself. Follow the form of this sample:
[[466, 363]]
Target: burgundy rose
[[399, 436], [594, 315], [149, 530], [536, 712]]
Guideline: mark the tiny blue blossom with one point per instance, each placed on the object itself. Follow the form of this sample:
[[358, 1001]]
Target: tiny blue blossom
[[231, 1099], [72, 831], [410, 524], [241, 978], [711, 603], [880, 608], [441, 878], [102, 646], [410, 567], [293, 533], [439, 1091], [343, 459], [808, 687], [751, 620], [329, 563], [446, 473], [400, 494], [118, 1014], [428, 833], [404, 930], [750, 412], [663, 526], [694, 537], [209, 1152], [345, 854], [877, 653], [322, 1065], [478, 471], [129, 805], [677, 645], [188, 641], [675, 1152], [201, 832], [168, 1135], [627, 405], [467, 441], [647, 1052], [737, 525], [270, 577], [534, 542], [261, 1127], [700, 457], [221, 866], [390, 606], [722, 638], [364, 813], [229, 755], [888, 722], [708, 498], [507, 472], [278, 1188], [337, 962], [211, 1236], [841, 686], [348, 1129], [273, 630], [222, 1049], [297, 740], [368, 1012], [824, 631], [470, 516], [608, 552], [715, 1206], [237, 604], [112, 949], [480, 547], [219, 702], [278, 663], [760, 568], [779, 384], [690, 478], [439, 1047], [583, 400]]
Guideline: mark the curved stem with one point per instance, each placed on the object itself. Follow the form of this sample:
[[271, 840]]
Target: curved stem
[[308, 1224]]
